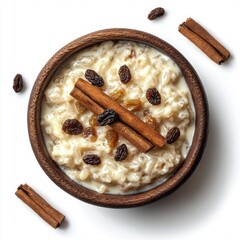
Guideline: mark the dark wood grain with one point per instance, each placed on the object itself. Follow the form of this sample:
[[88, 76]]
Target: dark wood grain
[[107, 200]]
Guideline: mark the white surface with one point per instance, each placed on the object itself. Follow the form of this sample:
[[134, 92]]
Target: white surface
[[207, 205]]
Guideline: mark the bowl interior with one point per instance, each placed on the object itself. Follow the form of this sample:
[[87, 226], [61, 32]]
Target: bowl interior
[[108, 200]]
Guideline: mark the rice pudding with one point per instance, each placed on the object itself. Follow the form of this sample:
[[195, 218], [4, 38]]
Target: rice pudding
[[149, 69]]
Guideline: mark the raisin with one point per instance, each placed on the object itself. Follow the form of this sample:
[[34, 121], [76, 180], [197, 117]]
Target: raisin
[[153, 96], [90, 131], [107, 117], [80, 108], [117, 94], [72, 127], [112, 137], [173, 135], [121, 153], [133, 104], [124, 74], [93, 120], [18, 83], [94, 78], [155, 13], [92, 159]]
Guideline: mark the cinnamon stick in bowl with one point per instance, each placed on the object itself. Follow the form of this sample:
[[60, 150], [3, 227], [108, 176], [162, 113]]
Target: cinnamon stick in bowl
[[125, 115], [132, 136], [118, 200]]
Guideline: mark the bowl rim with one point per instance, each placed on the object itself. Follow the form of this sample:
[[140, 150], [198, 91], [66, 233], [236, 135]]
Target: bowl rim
[[109, 200]]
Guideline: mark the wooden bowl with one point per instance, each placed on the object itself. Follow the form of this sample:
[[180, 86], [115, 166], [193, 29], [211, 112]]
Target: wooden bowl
[[109, 200]]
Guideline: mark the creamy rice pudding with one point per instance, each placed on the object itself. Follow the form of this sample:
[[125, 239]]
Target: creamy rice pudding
[[139, 171]]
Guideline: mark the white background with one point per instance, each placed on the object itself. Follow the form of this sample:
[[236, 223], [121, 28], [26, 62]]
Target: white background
[[207, 206]]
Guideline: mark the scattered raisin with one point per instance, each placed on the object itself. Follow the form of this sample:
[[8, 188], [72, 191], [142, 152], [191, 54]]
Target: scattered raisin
[[155, 13], [121, 153], [112, 137], [153, 96], [72, 127], [173, 135], [18, 83], [90, 131], [124, 74], [92, 159], [94, 78], [107, 117]]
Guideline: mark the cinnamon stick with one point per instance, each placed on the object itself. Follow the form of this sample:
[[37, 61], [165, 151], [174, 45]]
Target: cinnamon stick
[[203, 33], [125, 116], [132, 136], [40, 206], [208, 49], [204, 40]]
